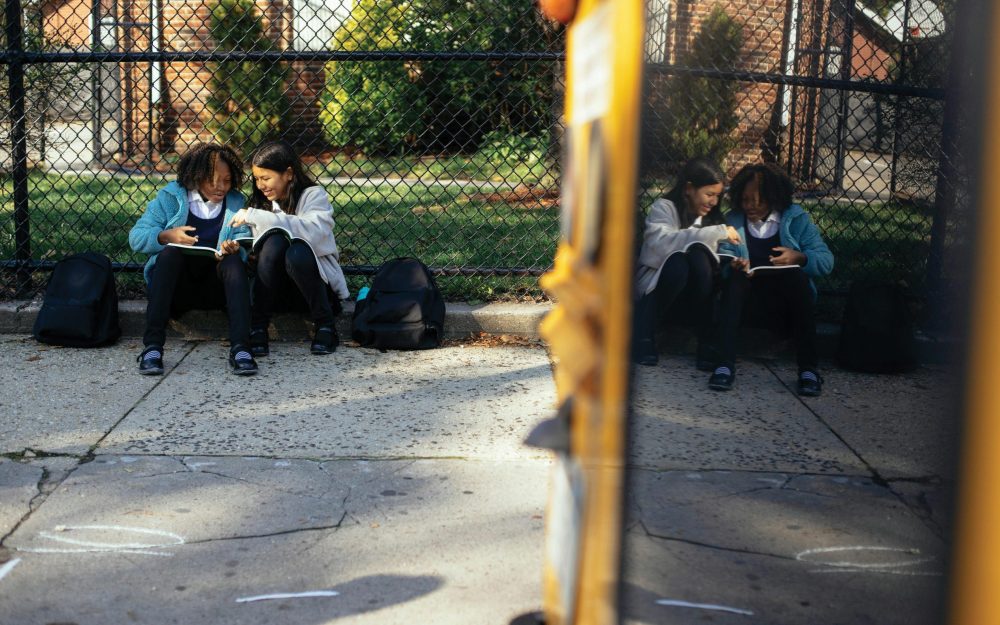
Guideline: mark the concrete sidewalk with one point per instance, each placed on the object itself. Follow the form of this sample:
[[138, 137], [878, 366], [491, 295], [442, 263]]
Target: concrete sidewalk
[[394, 487]]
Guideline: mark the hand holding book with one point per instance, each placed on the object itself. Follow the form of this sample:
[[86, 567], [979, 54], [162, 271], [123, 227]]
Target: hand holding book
[[781, 258], [177, 236]]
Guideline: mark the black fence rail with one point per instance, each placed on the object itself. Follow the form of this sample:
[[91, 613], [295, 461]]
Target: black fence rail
[[435, 125]]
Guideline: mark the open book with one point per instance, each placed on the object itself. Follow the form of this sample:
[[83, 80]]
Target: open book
[[769, 268], [726, 258], [195, 250], [721, 258], [252, 244]]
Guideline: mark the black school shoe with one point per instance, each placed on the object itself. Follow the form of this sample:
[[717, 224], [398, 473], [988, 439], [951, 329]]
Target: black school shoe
[[241, 361], [810, 383], [259, 342], [644, 353], [325, 341], [151, 360], [722, 379]]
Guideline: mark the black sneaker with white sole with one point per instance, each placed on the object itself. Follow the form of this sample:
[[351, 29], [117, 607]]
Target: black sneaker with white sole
[[722, 379], [325, 341], [151, 360], [241, 361], [810, 383]]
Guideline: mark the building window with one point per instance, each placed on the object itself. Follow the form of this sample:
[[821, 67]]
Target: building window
[[316, 21]]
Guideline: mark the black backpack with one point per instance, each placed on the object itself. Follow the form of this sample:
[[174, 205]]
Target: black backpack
[[403, 309], [81, 304], [877, 335]]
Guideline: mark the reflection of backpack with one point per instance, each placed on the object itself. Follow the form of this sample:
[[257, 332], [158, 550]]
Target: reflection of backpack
[[877, 333], [403, 310], [81, 305]]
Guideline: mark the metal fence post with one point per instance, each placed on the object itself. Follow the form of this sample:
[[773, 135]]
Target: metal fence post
[[19, 149]]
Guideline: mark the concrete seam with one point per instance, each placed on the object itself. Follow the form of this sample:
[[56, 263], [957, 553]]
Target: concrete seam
[[91, 453], [876, 477]]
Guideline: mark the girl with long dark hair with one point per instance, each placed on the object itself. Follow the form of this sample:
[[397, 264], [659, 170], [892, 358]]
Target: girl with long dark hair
[[677, 262], [291, 218]]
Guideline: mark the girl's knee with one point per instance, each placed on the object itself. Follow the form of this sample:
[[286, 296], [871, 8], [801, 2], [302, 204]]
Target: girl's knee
[[299, 258], [675, 268], [170, 255]]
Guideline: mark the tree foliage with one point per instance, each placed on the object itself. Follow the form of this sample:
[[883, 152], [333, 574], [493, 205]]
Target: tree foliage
[[416, 106], [246, 99], [702, 110]]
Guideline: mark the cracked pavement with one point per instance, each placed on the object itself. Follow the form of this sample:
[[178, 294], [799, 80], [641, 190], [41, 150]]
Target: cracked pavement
[[757, 506], [393, 484], [397, 485]]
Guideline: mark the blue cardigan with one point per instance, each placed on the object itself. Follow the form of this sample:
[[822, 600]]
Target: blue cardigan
[[169, 209], [797, 232]]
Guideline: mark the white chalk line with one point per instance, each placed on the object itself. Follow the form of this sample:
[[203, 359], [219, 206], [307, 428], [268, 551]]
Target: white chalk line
[[702, 606], [47, 550], [847, 566], [93, 546], [8, 567], [886, 572], [289, 595]]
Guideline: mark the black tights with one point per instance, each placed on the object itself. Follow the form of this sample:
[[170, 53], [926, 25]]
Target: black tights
[[279, 261], [779, 300], [687, 279], [181, 282]]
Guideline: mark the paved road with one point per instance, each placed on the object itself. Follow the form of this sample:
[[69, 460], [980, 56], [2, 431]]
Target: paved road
[[393, 488]]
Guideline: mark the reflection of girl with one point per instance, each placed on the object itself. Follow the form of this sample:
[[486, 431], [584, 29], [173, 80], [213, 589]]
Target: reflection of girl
[[774, 232], [284, 196], [672, 271]]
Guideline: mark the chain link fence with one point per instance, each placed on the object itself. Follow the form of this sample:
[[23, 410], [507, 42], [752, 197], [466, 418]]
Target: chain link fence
[[850, 97], [435, 124], [429, 122]]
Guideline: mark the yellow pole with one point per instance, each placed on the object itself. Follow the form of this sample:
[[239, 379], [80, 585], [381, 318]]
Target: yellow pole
[[589, 329], [975, 592]]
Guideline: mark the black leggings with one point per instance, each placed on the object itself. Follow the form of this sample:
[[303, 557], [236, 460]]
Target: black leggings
[[780, 300], [280, 263], [181, 282], [686, 281]]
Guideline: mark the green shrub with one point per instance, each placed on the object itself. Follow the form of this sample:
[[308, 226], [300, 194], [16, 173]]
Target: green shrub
[[371, 105], [696, 115], [519, 156], [246, 98], [389, 107]]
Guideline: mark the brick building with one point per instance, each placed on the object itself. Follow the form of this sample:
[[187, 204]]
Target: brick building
[[143, 109]]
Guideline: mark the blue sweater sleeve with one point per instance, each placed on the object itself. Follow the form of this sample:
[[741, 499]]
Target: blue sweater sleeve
[[143, 235], [820, 258]]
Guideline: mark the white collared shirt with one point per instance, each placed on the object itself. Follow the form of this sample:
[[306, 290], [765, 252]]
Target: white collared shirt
[[201, 208], [766, 228], [276, 208]]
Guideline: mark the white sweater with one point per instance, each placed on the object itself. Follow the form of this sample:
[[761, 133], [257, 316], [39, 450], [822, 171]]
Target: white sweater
[[313, 223], [663, 236]]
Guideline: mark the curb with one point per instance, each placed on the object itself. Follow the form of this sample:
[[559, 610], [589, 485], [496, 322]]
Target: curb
[[464, 321], [461, 321]]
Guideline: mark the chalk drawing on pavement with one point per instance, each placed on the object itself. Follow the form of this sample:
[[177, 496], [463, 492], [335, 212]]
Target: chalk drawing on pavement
[[702, 606], [867, 559], [68, 535], [289, 595], [8, 567]]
